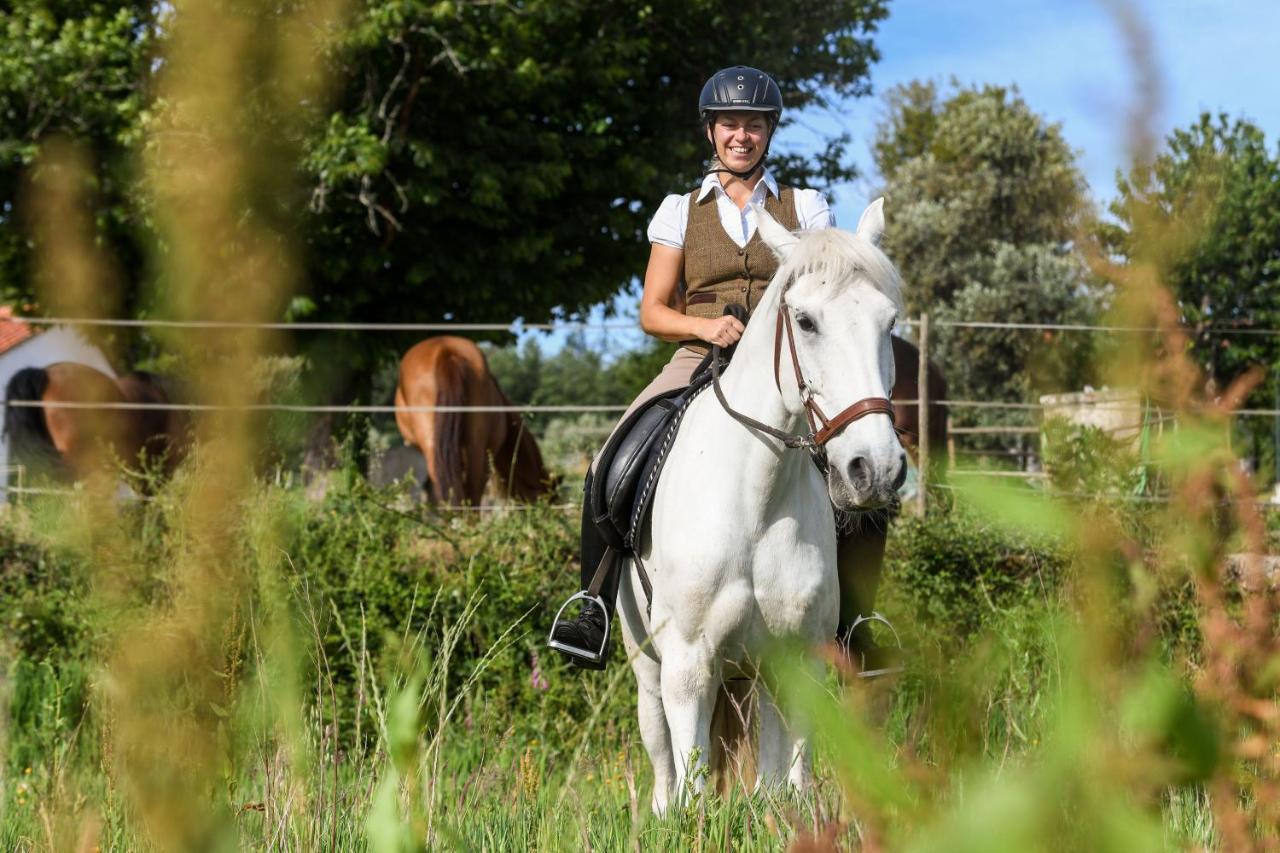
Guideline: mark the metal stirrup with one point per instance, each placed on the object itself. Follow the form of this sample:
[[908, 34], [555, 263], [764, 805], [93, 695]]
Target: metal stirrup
[[573, 651], [876, 617]]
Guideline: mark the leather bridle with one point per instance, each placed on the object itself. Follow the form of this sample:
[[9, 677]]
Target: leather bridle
[[818, 435]]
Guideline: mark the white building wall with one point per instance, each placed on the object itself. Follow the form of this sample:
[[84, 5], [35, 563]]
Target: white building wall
[[58, 344]]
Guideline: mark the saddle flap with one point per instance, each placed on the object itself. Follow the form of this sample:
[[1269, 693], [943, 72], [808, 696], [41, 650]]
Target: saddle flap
[[629, 463]]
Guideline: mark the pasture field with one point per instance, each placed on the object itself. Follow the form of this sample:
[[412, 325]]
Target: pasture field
[[232, 664], [385, 687]]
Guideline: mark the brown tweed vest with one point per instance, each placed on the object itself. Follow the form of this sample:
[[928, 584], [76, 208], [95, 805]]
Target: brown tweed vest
[[717, 272]]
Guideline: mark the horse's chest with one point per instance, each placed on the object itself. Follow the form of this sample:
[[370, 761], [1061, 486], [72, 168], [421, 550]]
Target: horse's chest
[[790, 601]]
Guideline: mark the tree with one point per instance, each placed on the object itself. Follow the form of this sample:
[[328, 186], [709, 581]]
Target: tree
[[480, 160], [78, 70], [1217, 177], [982, 197]]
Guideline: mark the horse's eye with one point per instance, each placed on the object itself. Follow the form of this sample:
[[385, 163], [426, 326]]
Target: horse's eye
[[805, 324]]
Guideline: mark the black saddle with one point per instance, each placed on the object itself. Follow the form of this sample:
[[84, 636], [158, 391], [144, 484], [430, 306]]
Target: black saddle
[[620, 493]]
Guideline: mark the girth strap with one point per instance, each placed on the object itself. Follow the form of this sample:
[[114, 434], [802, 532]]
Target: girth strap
[[606, 567]]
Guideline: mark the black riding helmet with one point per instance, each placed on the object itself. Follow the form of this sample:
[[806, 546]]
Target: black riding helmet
[[741, 88]]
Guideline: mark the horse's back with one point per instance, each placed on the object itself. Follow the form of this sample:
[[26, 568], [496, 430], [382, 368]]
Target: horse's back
[[449, 372], [906, 386], [70, 381], [73, 434], [163, 433], [434, 362]]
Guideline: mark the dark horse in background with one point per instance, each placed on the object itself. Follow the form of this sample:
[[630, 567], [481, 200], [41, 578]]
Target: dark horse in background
[[66, 443], [906, 364], [459, 447]]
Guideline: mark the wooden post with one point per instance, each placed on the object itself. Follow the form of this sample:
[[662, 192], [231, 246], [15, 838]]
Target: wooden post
[[951, 446], [922, 401]]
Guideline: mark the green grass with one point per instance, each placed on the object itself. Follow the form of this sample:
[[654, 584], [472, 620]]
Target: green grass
[[387, 689]]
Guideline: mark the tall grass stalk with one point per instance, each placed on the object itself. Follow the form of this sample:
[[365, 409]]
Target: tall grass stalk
[[233, 664]]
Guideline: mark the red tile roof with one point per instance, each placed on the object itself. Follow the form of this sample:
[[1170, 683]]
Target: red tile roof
[[12, 332]]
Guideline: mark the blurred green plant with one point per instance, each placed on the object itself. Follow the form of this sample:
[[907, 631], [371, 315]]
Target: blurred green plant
[[985, 198], [1089, 462]]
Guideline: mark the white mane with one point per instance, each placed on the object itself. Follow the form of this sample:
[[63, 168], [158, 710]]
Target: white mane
[[837, 257]]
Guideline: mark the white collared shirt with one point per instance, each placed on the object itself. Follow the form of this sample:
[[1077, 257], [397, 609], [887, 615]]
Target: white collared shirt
[[668, 224]]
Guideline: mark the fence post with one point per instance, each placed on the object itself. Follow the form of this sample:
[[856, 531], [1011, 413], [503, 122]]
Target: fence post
[[951, 445], [922, 403]]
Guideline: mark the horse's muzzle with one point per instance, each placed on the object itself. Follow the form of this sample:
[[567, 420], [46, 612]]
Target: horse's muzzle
[[861, 484]]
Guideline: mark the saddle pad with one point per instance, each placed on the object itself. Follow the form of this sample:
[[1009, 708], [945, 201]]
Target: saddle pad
[[653, 465], [630, 463]]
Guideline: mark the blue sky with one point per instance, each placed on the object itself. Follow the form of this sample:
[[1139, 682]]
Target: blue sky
[[1068, 60]]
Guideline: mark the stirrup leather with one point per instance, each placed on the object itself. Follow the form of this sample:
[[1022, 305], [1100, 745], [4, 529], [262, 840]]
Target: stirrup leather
[[592, 655], [877, 617]]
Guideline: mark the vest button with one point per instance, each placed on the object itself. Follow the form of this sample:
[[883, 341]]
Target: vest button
[[744, 290], [742, 252]]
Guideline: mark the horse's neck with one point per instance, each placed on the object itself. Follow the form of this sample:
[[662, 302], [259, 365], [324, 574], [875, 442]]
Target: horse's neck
[[761, 462]]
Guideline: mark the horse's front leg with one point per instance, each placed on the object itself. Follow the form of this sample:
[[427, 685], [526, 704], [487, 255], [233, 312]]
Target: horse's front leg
[[688, 695], [784, 751], [775, 743], [801, 775]]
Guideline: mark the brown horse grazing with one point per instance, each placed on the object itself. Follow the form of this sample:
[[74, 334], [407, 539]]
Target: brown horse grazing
[[66, 443], [906, 362], [459, 446]]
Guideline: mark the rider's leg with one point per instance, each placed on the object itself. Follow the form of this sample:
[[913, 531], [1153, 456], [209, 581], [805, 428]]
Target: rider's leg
[[587, 630], [582, 638], [859, 560]]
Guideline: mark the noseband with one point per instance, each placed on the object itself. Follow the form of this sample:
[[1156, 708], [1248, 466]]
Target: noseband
[[818, 435]]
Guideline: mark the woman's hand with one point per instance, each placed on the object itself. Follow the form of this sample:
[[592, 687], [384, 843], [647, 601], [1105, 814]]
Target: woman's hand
[[721, 331]]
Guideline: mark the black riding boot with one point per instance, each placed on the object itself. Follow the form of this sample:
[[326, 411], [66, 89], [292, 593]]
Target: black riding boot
[[586, 639], [859, 561]]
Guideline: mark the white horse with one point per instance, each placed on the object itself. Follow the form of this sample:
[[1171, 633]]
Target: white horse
[[742, 544]]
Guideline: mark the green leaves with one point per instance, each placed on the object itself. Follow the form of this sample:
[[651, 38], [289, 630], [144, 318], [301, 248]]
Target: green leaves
[[78, 70], [983, 193], [1218, 186], [1164, 715]]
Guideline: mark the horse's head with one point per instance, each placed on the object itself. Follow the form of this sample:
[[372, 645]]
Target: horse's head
[[842, 297]]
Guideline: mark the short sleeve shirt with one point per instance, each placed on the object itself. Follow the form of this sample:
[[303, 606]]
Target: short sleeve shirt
[[668, 224]]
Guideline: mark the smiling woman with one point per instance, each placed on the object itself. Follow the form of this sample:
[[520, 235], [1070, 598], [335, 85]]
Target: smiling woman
[[739, 139], [707, 255]]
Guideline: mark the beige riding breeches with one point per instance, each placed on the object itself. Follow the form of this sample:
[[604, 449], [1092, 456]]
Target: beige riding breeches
[[676, 373]]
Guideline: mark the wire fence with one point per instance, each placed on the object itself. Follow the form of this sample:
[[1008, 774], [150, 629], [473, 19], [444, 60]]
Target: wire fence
[[1109, 497], [546, 409], [517, 326]]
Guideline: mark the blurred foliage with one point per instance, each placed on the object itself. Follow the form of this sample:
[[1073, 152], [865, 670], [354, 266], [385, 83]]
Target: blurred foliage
[[80, 69], [983, 196], [1218, 180], [385, 604], [1087, 460], [950, 572]]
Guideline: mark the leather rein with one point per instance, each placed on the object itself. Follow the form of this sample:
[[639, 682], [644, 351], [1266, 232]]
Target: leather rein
[[818, 435]]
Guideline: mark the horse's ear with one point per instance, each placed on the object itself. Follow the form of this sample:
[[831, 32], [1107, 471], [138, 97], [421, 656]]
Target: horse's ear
[[775, 235], [871, 224]]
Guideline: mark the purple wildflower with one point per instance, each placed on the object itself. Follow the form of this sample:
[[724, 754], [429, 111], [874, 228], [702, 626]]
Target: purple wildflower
[[537, 680]]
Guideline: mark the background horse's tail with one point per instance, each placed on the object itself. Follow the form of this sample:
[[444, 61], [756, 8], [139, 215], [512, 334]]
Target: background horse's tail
[[733, 750], [446, 466], [30, 443]]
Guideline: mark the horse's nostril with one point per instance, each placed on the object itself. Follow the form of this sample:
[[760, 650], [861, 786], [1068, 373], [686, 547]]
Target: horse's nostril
[[859, 473], [902, 472]]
